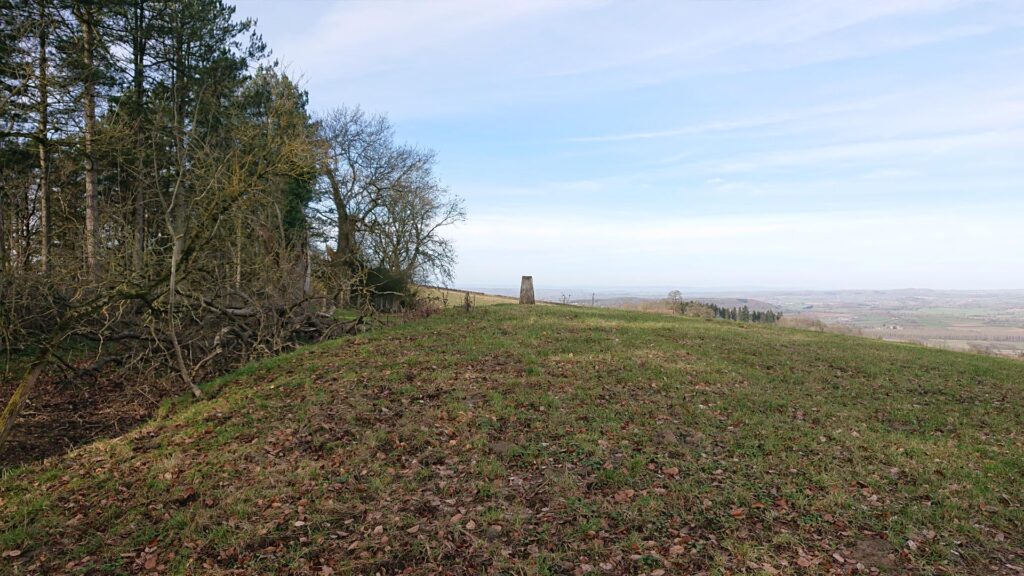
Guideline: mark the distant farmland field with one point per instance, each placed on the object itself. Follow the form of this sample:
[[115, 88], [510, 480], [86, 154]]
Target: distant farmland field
[[990, 322]]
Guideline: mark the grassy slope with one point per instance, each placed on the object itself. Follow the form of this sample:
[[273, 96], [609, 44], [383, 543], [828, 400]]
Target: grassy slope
[[455, 297], [549, 440]]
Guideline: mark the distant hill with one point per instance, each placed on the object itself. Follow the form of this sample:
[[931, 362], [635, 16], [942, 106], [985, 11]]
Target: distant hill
[[639, 303], [552, 440]]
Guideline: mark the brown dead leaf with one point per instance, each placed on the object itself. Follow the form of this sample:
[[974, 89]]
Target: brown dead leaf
[[624, 495], [806, 561]]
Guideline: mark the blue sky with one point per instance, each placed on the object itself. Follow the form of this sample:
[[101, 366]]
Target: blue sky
[[703, 144]]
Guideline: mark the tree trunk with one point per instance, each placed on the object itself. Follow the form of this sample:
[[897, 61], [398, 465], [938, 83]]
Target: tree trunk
[[43, 137], [345, 254], [3, 233], [307, 280], [138, 80], [140, 230], [238, 254], [526, 291], [17, 401], [24, 247], [89, 100], [346, 241], [174, 217]]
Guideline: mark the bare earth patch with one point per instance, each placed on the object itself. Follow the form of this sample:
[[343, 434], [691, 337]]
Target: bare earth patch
[[62, 414]]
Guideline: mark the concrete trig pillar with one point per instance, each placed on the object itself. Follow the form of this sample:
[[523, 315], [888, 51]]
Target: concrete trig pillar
[[526, 291]]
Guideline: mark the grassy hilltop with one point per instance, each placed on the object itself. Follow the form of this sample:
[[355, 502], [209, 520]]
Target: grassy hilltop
[[553, 440]]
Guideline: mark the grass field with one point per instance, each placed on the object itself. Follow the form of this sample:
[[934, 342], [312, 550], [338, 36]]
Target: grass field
[[455, 298], [553, 440]]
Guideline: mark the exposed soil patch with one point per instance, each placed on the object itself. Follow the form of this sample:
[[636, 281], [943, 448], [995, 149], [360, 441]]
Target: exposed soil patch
[[875, 553], [62, 414]]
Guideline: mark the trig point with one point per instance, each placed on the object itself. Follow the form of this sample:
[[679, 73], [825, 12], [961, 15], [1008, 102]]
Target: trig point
[[526, 291]]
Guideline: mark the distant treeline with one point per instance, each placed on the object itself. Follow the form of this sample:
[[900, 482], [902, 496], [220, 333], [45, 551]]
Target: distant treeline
[[738, 314]]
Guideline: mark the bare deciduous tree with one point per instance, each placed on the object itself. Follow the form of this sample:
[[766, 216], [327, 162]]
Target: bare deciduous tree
[[387, 207]]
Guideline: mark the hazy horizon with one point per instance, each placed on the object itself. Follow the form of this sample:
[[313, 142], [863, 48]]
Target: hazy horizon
[[660, 290], [772, 144]]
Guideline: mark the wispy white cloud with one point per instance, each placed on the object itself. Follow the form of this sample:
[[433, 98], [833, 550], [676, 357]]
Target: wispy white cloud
[[359, 38], [694, 36], [879, 150], [731, 125], [451, 56], [921, 111]]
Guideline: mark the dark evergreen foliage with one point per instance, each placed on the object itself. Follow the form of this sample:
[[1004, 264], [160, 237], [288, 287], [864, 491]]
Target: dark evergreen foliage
[[739, 314]]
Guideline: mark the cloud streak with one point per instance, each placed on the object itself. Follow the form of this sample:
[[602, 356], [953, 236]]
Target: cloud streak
[[449, 55], [879, 150], [730, 125]]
